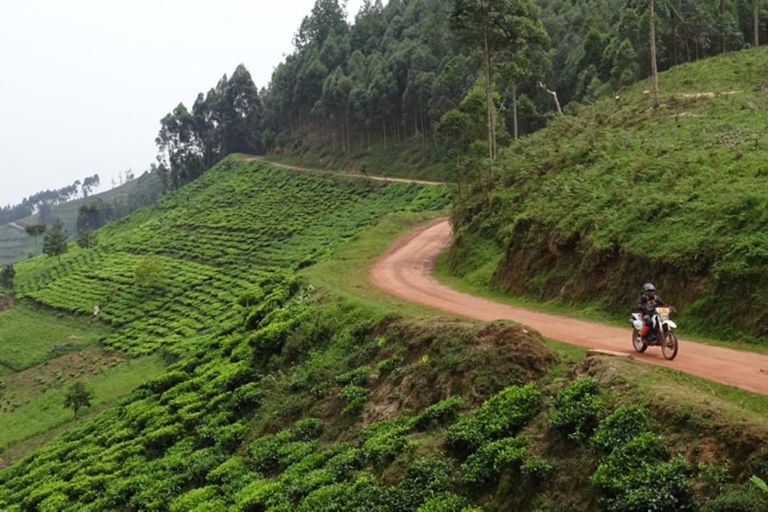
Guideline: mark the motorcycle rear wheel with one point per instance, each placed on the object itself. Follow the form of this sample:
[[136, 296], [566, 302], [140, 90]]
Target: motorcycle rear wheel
[[637, 341], [669, 347]]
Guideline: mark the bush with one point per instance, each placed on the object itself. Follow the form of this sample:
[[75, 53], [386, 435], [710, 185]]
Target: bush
[[635, 477], [358, 377], [743, 499], [447, 502], [364, 494], [424, 478], [308, 429], [344, 463], [387, 366], [265, 451], [503, 415], [386, 444], [260, 495], [204, 498], [439, 414], [492, 458], [577, 408], [355, 397], [620, 426]]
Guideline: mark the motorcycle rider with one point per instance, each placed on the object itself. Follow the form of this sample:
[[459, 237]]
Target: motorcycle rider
[[646, 305]]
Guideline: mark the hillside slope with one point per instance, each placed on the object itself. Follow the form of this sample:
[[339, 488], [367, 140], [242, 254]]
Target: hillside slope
[[618, 194], [281, 396]]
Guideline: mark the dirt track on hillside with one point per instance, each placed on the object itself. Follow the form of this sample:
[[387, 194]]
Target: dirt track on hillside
[[405, 271], [340, 173]]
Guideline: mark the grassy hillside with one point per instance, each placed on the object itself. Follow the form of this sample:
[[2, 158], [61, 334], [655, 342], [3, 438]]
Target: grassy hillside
[[411, 158], [617, 194], [280, 395]]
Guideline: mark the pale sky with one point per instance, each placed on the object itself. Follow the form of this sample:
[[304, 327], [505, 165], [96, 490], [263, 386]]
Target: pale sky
[[84, 83]]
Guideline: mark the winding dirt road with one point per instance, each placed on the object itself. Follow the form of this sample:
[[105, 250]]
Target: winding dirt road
[[405, 271]]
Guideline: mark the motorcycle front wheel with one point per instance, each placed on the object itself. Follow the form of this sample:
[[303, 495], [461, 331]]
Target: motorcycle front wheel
[[669, 347], [637, 341]]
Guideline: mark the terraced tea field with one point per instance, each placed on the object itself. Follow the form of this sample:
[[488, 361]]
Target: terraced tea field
[[211, 241]]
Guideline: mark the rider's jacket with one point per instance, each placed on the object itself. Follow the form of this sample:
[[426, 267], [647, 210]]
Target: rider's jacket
[[646, 305]]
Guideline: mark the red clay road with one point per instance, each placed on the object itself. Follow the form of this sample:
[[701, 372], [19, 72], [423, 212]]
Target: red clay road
[[405, 271]]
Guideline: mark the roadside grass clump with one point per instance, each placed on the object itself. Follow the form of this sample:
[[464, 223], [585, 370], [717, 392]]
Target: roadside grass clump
[[500, 416], [576, 409]]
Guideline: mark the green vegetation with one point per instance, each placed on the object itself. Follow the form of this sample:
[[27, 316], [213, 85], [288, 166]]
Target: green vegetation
[[587, 210], [29, 337]]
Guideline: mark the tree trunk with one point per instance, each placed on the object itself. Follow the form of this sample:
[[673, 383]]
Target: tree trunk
[[384, 129], [722, 19], [654, 71], [514, 110], [489, 97], [756, 17]]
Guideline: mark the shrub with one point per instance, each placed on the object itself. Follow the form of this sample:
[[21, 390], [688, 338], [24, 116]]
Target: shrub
[[260, 495], [424, 478], [387, 366], [308, 429], [439, 414], [364, 494], [386, 444], [742, 499], [447, 502], [264, 450], [493, 457], [635, 477], [359, 376], [503, 415], [355, 397], [204, 497], [344, 463], [577, 408], [620, 426]]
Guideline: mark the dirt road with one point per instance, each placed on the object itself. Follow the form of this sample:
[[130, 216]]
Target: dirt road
[[405, 271], [340, 173]]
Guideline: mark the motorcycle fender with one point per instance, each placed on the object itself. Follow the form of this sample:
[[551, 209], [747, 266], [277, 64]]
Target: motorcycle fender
[[638, 324], [670, 323]]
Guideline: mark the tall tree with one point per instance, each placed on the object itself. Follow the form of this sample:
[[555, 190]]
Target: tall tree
[[496, 27], [35, 230], [55, 241], [756, 23]]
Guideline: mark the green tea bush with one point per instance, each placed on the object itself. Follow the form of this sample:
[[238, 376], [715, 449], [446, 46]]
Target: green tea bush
[[502, 415], [741, 499], [308, 429], [492, 458], [229, 475], [260, 495], [424, 478], [576, 409], [620, 426], [636, 477], [439, 414], [345, 462], [363, 494], [447, 502], [201, 498], [387, 442], [355, 398], [358, 377], [387, 366]]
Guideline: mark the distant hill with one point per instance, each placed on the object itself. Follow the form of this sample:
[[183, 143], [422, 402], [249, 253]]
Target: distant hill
[[16, 245]]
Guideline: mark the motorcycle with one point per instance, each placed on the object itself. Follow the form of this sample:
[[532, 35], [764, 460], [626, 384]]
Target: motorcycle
[[662, 332]]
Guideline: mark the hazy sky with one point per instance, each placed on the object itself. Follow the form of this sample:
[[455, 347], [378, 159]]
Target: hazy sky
[[84, 83]]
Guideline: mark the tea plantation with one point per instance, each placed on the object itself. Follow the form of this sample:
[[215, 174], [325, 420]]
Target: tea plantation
[[281, 396]]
